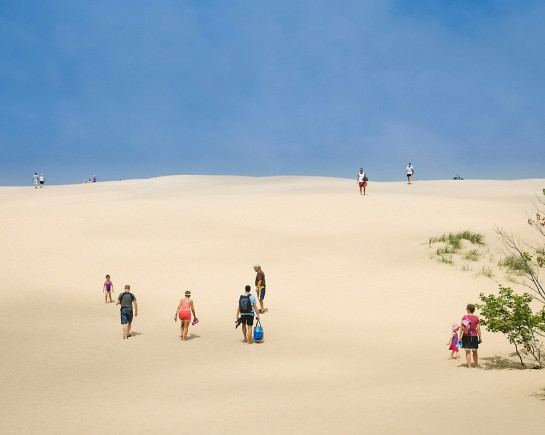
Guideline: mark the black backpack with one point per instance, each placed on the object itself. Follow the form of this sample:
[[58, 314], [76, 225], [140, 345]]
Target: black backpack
[[245, 304]]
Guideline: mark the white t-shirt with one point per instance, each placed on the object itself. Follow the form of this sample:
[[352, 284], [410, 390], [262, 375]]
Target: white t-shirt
[[35, 178], [360, 177], [409, 170]]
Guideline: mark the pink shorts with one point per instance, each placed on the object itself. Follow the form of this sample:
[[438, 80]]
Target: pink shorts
[[453, 347], [184, 315]]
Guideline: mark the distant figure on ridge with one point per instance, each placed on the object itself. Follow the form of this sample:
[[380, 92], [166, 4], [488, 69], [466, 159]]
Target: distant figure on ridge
[[127, 300], [184, 310], [94, 178], [42, 180], [260, 286], [409, 170], [108, 289], [35, 180], [245, 313], [362, 181]]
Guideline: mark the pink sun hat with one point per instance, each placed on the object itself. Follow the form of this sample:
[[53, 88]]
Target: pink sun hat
[[455, 326]]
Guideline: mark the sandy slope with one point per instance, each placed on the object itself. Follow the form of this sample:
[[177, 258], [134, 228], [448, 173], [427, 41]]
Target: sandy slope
[[358, 318]]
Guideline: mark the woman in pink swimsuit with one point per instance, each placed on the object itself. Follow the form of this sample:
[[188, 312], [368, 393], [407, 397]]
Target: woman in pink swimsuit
[[184, 310]]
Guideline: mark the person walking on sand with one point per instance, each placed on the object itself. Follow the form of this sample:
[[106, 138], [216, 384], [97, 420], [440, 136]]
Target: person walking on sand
[[471, 335], [260, 286], [127, 300], [409, 170], [453, 341], [35, 180], [184, 310], [246, 310], [108, 289], [42, 180], [362, 181]]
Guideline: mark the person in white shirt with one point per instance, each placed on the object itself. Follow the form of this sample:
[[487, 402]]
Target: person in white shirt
[[35, 180], [362, 181], [409, 170]]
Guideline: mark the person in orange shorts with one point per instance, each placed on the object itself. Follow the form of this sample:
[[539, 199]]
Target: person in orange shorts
[[184, 310]]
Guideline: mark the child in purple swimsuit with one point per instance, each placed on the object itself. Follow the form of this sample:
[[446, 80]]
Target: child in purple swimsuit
[[108, 289], [453, 341]]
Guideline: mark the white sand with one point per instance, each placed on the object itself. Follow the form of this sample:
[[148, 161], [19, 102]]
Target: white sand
[[356, 332]]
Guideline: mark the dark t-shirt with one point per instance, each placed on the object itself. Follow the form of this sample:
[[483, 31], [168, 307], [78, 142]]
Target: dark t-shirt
[[126, 299], [260, 277]]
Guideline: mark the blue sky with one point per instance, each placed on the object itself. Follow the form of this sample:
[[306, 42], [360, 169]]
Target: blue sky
[[136, 89]]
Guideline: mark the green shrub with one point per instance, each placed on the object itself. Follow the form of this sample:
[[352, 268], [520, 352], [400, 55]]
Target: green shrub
[[511, 314]]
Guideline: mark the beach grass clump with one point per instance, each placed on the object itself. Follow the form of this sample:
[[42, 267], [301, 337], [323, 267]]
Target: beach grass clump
[[445, 250], [441, 239], [486, 271], [472, 255], [515, 265], [452, 245], [454, 240], [445, 259], [474, 238]]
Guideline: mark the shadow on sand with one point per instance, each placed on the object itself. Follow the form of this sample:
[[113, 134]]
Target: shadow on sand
[[502, 363], [192, 337]]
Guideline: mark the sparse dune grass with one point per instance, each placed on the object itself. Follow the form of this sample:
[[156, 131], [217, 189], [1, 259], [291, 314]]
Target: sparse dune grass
[[472, 255], [515, 265], [452, 245]]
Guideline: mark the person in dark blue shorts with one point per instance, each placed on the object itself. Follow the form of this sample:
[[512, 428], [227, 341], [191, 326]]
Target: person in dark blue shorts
[[260, 287], [127, 300]]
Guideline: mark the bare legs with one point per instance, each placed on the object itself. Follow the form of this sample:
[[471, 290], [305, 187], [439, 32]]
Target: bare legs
[[453, 356], [106, 294], [247, 332], [184, 327], [126, 330], [475, 358]]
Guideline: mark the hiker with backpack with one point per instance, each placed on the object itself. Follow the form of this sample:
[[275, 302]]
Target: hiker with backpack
[[247, 308], [127, 300], [471, 335]]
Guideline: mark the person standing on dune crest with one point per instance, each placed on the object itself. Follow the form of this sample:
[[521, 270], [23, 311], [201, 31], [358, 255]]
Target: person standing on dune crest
[[409, 170], [35, 180], [362, 181]]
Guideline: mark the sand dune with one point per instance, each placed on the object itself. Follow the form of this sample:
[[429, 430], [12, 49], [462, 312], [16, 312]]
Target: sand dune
[[357, 321]]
